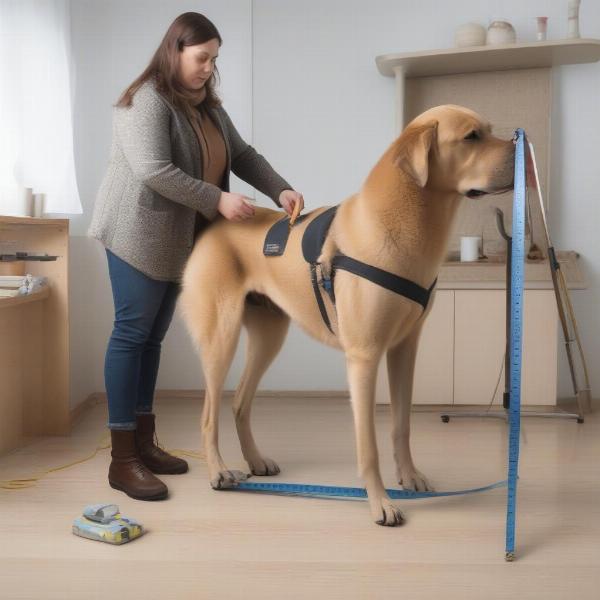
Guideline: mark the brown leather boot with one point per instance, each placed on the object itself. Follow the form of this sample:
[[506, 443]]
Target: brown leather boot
[[155, 458], [128, 473]]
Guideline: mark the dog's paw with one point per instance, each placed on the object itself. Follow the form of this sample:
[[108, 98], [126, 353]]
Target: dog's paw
[[227, 479], [264, 466], [386, 513], [412, 479]]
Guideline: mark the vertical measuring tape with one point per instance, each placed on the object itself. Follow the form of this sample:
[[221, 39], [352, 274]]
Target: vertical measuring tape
[[516, 339]]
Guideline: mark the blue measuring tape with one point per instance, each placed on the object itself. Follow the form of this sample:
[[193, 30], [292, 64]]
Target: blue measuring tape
[[304, 489], [516, 339], [516, 306]]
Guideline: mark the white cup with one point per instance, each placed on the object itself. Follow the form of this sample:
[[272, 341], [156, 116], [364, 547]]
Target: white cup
[[38, 205], [23, 204], [469, 248]]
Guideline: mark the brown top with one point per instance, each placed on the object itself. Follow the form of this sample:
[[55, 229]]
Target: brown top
[[214, 158]]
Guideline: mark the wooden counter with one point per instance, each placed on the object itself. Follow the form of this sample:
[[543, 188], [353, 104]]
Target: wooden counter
[[489, 274], [34, 329]]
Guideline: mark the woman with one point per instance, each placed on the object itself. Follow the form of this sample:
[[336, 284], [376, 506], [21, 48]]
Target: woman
[[173, 148]]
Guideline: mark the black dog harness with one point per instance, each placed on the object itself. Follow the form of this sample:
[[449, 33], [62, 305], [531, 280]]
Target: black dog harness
[[312, 244]]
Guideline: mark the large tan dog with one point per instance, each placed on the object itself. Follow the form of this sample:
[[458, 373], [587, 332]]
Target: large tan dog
[[399, 221]]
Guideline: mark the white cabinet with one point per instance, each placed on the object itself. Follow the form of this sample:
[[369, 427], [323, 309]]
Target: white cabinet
[[479, 346], [461, 351]]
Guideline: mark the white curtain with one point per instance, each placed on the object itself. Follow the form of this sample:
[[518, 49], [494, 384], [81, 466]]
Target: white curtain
[[36, 120]]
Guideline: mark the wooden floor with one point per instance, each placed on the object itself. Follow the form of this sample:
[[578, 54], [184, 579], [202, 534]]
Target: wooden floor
[[202, 543]]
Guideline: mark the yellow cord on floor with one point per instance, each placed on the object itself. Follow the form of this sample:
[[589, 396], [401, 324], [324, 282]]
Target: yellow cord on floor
[[104, 442]]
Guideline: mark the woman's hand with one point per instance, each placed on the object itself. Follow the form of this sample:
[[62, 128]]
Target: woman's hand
[[235, 207], [288, 199]]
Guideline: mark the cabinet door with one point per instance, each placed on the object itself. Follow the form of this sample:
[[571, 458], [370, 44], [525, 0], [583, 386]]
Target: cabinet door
[[539, 371], [433, 380], [480, 340]]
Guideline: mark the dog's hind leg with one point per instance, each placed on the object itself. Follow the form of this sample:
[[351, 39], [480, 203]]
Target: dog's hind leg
[[214, 317], [267, 328], [362, 374], [401, 368]]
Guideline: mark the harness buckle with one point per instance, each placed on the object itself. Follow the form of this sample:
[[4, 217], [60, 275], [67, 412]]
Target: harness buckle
[[327, 283]]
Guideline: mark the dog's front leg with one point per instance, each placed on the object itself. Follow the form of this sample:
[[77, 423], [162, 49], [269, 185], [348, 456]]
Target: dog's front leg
[[401, 368], [362, 375]]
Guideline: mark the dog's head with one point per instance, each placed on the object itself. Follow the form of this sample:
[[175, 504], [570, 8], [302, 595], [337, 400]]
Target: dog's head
[[451, 148]]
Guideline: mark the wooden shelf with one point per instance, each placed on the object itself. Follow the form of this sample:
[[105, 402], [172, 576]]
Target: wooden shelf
[[490, 58], [10, 220], [41, 294]]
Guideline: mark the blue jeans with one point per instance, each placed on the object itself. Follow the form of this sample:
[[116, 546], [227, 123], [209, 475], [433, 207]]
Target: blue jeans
[[144, 308]]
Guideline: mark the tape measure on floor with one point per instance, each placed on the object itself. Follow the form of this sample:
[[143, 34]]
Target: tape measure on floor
[[516, 336], [330, 491]]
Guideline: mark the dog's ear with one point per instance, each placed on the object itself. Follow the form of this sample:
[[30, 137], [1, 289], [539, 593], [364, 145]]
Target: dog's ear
[[413, 151]]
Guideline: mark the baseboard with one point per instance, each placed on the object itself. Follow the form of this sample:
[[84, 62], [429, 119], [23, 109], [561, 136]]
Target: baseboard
[[98, 397], [91, 401], [259, 394]]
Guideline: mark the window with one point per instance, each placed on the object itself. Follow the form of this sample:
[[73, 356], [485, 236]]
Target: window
[[36, 125]]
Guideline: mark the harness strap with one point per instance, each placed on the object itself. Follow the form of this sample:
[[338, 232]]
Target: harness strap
[[312, 246], [277, 236], [315, 234], [320, 303], [385, 279], [390, 281]]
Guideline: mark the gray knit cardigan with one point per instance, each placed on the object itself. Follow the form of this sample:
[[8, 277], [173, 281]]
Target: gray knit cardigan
[[146, 206]]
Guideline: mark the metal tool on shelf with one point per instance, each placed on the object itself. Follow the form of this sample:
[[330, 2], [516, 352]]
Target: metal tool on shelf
[[26, 256]]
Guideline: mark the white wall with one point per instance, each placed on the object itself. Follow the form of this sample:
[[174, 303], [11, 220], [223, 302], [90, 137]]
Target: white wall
[[300, 82]]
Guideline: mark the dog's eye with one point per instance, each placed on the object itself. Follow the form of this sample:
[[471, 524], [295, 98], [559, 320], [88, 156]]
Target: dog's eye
[[473, 135]]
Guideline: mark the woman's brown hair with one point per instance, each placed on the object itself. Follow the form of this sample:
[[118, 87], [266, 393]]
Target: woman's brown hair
[[188, 29]]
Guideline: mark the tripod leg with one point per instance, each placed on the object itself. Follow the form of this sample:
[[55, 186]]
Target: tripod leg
[[583, 394]]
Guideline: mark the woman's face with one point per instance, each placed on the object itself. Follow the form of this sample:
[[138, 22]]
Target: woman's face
[[197, 63]]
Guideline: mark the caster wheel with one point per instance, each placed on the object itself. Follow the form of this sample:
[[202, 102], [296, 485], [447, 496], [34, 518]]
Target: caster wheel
[[445, 418], [580, 419]]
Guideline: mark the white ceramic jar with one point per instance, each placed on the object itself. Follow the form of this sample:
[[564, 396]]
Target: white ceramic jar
[[469, 34], [501, 32]]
